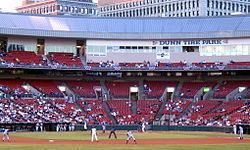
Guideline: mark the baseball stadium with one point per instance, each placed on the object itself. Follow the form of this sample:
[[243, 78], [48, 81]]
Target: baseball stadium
[[73, 83]]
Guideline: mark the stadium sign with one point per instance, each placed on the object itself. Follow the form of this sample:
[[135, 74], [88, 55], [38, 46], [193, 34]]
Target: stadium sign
[[162, 55], [189, 42]]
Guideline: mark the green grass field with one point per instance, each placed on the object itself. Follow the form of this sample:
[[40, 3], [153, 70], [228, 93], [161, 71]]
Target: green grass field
[[121, 135]]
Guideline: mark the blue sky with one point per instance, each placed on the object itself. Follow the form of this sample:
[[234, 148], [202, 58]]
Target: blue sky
[[10, 5]]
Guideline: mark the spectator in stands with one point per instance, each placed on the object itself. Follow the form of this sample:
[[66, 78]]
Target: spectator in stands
[[232, 62], [157, 63]]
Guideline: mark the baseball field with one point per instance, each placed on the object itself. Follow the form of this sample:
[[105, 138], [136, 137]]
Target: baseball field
[[146, 141]]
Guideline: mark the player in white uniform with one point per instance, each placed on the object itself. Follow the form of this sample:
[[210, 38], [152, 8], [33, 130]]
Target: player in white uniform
[[37, 127], [93, 135], [85, 125], [143, 128], [103, 127], [241, 132], [130, 136], [58, 127], [235, 129], [6, 135]]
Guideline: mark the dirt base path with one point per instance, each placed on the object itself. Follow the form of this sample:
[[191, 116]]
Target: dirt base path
[[188, 141]]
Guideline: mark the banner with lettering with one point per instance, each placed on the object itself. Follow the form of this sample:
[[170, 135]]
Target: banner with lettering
[[189, 42]]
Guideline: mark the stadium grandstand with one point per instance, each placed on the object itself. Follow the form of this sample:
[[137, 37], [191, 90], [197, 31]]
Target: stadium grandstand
[[126, 71]]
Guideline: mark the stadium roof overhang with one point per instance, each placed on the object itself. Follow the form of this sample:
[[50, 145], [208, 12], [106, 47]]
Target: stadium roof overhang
[[125, 28]]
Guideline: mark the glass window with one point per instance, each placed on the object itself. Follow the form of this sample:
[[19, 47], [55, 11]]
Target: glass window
[[225, 50]]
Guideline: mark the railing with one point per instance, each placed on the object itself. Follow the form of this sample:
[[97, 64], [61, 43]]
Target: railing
[[123, 68]]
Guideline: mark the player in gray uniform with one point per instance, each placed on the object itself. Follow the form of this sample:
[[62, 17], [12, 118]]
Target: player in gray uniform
[[130, 136], [6, 135], [241, 132]]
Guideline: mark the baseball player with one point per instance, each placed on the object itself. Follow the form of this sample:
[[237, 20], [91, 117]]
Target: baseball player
[[58, 127], [130, 136], [41, 127], [6, 135], [112, 132], [37, 127], [93, 135], [241, 132], [85, 125], [143, 128], [235, 129], [103, 127]]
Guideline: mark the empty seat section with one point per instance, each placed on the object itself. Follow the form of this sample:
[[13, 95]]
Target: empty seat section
[[65, 59], [23, 57], [84, 89], [49, 88], [157, 88], [238, 64], [120, 89], [228, 86]]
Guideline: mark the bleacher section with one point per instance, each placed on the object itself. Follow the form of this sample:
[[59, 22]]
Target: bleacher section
[[224, 109], [176, 107], [84, 88], [242, 114], [23, 57], [94, 112], [66, 107], [146, 110], [54, 106], [156, 88], [190, 89], [67, 59], [202, 107], [49, 88], [120, 89], [228, 86], [121, 110], [13, 87]]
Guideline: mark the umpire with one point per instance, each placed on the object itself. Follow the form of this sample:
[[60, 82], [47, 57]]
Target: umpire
[[112, 132]]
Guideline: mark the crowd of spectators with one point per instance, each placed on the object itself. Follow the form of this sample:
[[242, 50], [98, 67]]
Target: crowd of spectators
[[110, 64], [39, 111], [238, 115]]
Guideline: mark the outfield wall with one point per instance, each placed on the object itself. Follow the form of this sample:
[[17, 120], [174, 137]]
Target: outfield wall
[[52, 127], [167, 128]]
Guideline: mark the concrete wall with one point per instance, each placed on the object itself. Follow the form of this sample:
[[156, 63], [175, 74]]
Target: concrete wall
[[174, 56]]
